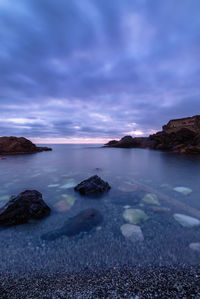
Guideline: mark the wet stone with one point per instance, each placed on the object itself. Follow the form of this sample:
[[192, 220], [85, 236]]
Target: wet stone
[[132, 232], [195, 246], [134, 216], [186, 221], [23, 207], [183, 190], [92, 186], [151, 199]]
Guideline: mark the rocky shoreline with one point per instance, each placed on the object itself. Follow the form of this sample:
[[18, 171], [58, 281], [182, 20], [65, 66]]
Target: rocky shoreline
[[130, 282], [181, 138], [19, 145]]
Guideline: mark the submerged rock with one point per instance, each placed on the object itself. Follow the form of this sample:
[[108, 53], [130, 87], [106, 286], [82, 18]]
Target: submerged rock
[[128, 187], [195, 246], [69, 199], [166, 186], [4, 197], [127, 207], [159, 209], [27, 205], [62, 206], [70, 184], [92, 186], [134, 216], [151, 199], [132, 232], [186, 221], [83, 222], [183, 190], [53, 185], [19, 145]]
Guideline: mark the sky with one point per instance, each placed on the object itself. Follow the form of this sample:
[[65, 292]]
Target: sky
[[87, 71]]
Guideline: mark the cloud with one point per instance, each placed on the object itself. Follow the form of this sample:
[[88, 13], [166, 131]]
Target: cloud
[[89, 69]]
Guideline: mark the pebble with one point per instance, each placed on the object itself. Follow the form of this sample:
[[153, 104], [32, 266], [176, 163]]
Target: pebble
[[195, 246], [186, 221], [183, 190], [53, 185], [128, 187], [62, 206], [132, 232], [127, 207], [159, 209], [151, 198], [4, 197], [134, 216]]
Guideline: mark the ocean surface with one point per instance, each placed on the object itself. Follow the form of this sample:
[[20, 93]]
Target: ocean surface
[[133, 174]]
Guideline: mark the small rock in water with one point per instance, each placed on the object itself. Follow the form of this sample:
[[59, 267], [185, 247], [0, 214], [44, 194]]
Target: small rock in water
[[159, 209], [20, 209], [92, 186], [183, 190], [128, 187], [62, 206], [134, 216], [69, 199], [127, 207], [132, 232], [53, 185], [4, 197], [83, 222], [165, 186], [151, 199], [186, 221], [195, 246], [70, 184]]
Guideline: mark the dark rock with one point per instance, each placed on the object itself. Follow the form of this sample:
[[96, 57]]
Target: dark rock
[[83, 222], [111, 143], [19, 145], [92, 186], [19, 209], [130, 142]]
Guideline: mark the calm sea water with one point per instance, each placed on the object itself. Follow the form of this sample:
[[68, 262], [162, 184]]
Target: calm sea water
[[132, 173]]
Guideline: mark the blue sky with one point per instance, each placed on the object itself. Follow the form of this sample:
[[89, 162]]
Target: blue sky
[[94, 70]]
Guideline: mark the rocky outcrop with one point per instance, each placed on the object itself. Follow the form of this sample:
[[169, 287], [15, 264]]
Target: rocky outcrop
[[19, 145], [183, 141], [23, 207], [93, 186], [83, 222], [191, 123]]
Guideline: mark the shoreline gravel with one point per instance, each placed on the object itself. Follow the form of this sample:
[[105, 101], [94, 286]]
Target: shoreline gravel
[[132, 282]]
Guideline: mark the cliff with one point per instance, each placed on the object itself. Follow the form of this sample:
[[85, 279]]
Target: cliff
[[19, 145], [191, 123]]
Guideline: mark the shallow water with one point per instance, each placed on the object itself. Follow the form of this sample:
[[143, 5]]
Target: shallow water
[[131, 174]]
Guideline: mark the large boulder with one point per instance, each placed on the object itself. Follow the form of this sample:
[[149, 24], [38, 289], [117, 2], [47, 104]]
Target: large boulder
[[23, 207], [85, 221], [19, 145], [93, 186]]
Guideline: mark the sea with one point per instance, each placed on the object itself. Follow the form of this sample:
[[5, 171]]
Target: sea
[[163, 187]]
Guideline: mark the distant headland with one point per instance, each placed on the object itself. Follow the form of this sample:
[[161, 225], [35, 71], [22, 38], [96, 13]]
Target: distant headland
[[19, 145], [179, 136]]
